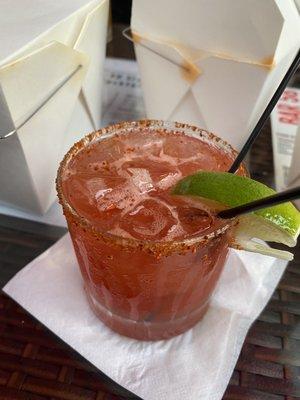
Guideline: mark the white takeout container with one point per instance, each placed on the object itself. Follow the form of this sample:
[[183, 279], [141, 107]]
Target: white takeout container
[[51, 69], [213, 63]]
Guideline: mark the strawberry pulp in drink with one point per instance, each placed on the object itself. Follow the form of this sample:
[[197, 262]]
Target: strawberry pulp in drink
[[150, 260]]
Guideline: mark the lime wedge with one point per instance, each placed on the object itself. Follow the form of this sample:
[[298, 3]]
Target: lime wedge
[[280, 223]]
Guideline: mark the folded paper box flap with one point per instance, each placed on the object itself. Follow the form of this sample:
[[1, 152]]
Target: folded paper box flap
[[41, 137], [289, 38], [27, 81], [29, 23], [15, 176], [228, 27], [77, 30], [169, 80], [240, 59], [95, 25], [74, 42]]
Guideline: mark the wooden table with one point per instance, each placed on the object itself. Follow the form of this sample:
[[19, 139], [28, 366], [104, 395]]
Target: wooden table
[[36, 365]]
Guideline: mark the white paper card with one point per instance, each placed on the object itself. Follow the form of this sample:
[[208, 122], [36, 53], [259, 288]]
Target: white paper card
[[285, 120], [122, 92], [294, 174], [195, 365]]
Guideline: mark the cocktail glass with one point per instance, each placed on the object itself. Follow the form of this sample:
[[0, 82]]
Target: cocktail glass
[[142, 288]]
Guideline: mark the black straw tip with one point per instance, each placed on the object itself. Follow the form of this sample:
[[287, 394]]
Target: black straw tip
[[277, 198]]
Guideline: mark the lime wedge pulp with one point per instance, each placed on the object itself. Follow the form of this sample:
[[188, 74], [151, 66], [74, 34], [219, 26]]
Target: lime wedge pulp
[[280, 223]]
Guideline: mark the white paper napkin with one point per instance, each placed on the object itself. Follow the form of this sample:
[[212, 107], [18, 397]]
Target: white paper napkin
[[195, 365]]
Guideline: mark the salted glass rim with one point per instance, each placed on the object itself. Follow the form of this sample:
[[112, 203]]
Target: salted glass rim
[[159, 247]]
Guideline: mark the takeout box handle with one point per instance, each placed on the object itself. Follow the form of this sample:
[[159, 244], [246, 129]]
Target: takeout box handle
[[43, 103]]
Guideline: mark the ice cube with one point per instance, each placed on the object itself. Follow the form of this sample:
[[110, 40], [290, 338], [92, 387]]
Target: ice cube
[[97, 187], [149, 219], [193, 220], [169, 180], [122, 197], [141, 179]]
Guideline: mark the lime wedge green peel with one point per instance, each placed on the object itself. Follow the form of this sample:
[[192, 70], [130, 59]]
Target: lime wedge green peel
[[280, 223]]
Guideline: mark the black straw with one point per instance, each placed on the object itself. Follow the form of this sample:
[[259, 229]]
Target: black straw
[[269, 201], [266, 113]]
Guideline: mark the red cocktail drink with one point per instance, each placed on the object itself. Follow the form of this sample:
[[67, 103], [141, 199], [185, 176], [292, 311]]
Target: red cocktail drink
[[150, 260]]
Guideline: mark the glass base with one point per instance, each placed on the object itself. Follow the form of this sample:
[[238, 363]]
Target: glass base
[[145, 330]]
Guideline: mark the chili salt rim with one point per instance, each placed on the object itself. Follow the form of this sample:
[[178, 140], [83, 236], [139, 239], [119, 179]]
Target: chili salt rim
[[155, 247]]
